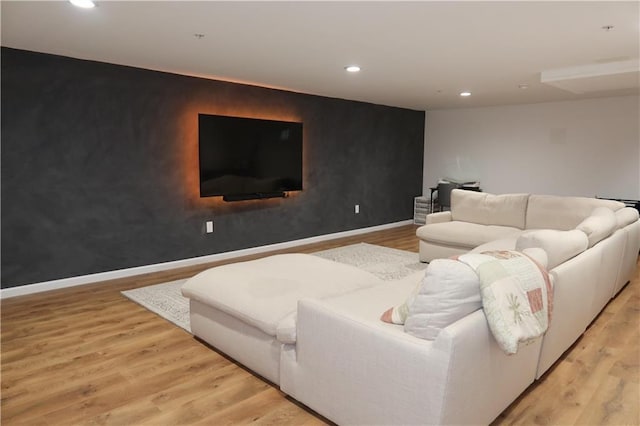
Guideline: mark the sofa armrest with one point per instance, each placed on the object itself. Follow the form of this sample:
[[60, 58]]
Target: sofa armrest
[[439, 217], [354, 372], [357, 371], [482, 378]]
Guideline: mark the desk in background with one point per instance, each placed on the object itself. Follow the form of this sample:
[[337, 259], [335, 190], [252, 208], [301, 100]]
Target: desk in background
[[434, 189]]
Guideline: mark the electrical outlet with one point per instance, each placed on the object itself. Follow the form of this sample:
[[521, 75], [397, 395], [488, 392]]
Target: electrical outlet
[[357, 208], [209, 226]]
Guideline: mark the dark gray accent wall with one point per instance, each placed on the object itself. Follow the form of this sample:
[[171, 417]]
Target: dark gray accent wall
[[99, 167]]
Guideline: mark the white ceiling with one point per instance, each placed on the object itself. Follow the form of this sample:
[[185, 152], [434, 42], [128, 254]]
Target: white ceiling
[[417, 55]]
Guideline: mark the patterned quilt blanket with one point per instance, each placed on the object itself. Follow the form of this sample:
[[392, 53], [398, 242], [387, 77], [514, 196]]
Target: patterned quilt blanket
[[516, 295]]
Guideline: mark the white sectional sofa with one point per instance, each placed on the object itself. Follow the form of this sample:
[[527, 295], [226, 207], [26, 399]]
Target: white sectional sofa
[[330, 351]]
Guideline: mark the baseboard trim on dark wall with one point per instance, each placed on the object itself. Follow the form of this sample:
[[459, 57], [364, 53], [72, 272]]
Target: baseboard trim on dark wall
[[24, 290]]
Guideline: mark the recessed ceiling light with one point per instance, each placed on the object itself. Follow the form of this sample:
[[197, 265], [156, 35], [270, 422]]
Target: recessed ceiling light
[[352, 68], [523, 86], [85, 4], [464, 94]]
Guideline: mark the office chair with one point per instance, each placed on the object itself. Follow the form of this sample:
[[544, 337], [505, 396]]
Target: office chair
[[444, 195]]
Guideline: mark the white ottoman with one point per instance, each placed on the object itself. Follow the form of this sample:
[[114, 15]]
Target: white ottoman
[[248, 309]]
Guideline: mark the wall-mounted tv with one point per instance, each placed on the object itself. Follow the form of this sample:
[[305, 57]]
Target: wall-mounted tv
[[248, 158]]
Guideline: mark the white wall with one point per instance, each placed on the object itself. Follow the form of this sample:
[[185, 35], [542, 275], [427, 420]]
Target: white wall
[[588, 147]]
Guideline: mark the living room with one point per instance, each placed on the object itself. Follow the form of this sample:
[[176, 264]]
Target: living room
[[100, 155]]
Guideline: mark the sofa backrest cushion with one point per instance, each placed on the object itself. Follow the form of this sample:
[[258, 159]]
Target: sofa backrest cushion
[[626, 216], [599, 225], [562, 213], [560, 246], [489, 209], [449, 291]]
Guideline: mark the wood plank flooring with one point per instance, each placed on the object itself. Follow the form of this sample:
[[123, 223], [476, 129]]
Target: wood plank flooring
[[88, 355]]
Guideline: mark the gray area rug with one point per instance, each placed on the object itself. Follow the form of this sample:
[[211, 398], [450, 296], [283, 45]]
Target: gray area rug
[[386, 263]]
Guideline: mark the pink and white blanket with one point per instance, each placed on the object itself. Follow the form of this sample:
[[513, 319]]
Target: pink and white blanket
[[517, 295]]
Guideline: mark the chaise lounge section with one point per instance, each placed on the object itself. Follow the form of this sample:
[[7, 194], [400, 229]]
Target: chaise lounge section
[[248, 309]]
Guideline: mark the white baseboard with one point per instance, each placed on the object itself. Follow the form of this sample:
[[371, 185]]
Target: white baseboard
[[129, 272]]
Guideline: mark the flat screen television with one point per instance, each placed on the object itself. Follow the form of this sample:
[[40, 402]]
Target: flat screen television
[[248, 158]]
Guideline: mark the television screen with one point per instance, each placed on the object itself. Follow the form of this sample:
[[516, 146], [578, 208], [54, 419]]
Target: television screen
[[244, 158]]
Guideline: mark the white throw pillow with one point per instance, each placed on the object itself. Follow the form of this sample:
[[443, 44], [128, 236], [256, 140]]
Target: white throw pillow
[[559, 246], [599, 225], [449, 291]]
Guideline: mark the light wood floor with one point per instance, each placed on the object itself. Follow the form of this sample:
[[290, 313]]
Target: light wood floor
[[87, 355]]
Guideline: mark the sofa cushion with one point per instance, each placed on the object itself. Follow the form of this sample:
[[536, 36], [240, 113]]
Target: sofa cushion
[[264, 292], [560, 246], [599, 225], [364, 304], [626, 216], [489, 209], [464, 234], [286, 330], [563, 213]]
